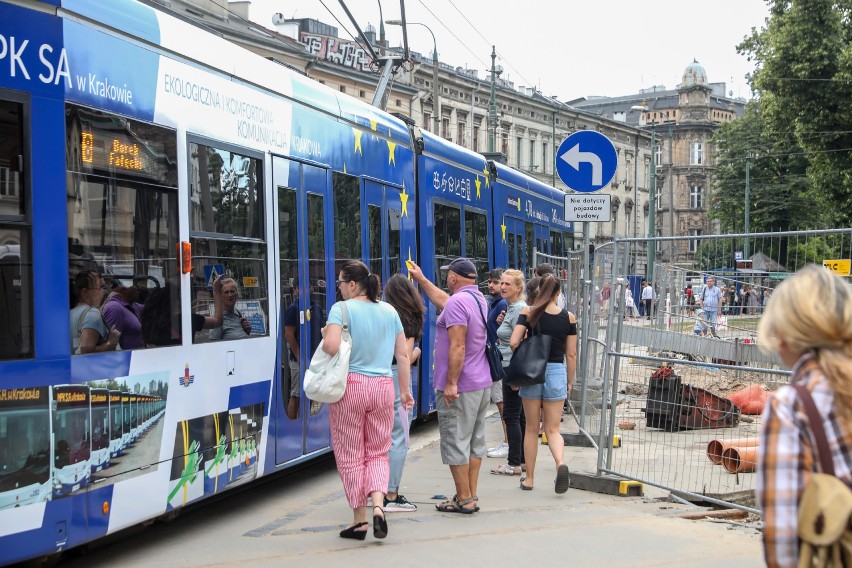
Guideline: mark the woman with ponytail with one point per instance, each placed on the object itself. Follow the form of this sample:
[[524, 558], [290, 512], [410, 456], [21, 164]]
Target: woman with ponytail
[[362, 420], [547, 400], [808, 322]]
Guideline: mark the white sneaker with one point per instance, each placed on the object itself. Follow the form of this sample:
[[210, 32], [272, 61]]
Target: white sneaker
[[501, 450]]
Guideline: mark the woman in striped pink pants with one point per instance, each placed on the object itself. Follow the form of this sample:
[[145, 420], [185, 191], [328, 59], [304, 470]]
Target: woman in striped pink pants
[[362, 420]]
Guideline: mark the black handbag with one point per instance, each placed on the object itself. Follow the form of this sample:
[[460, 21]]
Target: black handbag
[[492, 352], [529, 361]]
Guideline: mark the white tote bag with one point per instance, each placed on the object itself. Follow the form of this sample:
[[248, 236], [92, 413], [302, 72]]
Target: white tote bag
[[325, 379]]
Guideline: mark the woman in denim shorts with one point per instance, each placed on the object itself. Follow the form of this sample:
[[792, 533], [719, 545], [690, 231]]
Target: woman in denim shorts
[[548, 399]]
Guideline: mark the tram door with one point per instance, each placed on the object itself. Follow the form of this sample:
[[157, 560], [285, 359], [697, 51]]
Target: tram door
[[382, 247], [515, 244], [306, 292]]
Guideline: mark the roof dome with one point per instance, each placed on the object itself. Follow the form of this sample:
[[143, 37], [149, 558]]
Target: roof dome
[[694, 75]]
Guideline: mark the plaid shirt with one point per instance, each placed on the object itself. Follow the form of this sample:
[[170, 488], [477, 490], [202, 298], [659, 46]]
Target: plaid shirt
[[785, 459]]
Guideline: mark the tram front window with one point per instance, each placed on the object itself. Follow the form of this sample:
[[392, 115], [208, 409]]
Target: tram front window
[[24, 448], [100, 428], [71, 435]]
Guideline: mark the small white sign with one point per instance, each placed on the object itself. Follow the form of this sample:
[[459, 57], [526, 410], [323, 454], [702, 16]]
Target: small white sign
[[588, 207]]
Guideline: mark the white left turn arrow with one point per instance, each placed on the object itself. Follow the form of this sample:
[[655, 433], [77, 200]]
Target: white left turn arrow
[[574, 157]]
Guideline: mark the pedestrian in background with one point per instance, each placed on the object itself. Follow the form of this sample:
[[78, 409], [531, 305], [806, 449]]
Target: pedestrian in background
[[234, 325], [512, 289], [496, 312], [808, 322], [461, 378], [89, 332], [361, 421], [124, 313], [648, 297], [401, 294], [548, 398]]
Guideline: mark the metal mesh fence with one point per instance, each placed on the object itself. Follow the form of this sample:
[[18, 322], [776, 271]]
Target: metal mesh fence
[[671, 383]]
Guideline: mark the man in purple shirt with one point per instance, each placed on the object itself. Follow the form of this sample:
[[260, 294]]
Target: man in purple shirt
[[125, 313], [462, 378]]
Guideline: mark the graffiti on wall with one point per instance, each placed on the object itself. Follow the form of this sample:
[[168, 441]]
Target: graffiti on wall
[[338, 51]]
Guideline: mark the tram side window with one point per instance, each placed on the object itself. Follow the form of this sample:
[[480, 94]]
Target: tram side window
[[347, 221], [529, 237], [476, 244], [16, 291], [447, 239], [394, 250], [122, 230], [227, 234]]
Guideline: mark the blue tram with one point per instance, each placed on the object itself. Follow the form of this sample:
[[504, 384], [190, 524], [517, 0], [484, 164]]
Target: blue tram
[[141, 147]]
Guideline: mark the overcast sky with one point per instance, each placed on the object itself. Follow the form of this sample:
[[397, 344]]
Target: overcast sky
[[566, 48]]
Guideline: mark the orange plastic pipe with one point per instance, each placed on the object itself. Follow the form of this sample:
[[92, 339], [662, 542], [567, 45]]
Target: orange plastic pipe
[[716, 448], [740, 460]]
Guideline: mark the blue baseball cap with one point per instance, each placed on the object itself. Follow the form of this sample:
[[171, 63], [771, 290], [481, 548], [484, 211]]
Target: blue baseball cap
[[463, 267]]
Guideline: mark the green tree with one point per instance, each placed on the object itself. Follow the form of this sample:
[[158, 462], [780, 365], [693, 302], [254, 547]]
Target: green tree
[[803, 82], [781, 195]]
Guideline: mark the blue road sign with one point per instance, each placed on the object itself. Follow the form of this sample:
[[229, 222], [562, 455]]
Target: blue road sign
[[212, 272], [586, 161]]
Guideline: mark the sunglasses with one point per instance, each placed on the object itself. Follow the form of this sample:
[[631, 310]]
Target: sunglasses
[[339, 282]]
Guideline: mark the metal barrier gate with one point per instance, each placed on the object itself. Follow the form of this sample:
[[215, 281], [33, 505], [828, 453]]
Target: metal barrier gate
[[666, 419]]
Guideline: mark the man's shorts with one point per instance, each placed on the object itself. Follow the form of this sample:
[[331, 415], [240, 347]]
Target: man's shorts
[[462, 426], [497, 392], [711, 317], [295, 378]]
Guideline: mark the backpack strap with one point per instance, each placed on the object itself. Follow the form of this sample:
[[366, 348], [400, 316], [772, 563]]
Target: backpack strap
[[817, 430], [478, 305]]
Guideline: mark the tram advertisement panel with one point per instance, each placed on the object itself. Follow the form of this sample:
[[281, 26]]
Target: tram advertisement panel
[[24, 446]]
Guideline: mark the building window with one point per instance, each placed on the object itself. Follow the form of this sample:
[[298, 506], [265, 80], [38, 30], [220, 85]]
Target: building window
[[362, 93], [696, 197], [475, 139], [658, 155], [445, 128], [696, 154], [693, 244], [427, 121], [342, 89], [532, 154], [544, 157], [460, 130], [658, 197], [518, 142], [504, 144]]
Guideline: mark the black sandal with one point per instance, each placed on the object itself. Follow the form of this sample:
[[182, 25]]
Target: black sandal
[[380, 524], [350, 532], [456, 505]]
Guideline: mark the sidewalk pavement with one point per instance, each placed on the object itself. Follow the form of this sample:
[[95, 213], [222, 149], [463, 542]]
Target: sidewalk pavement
[[295, 520]]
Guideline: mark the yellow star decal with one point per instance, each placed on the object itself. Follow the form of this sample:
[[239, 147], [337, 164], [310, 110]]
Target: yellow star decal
[[391, 150], [403, 198], [344, 167], [373, 124], [519, 204], [503, 229], [357, 134], [486, 174], [478, 184]]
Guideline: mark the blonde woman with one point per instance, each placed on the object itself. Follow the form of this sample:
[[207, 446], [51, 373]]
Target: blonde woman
[[89, 333], [548, 399], [512, 290], [808, 322]]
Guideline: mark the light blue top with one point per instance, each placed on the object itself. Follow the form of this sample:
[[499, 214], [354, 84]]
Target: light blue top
[[504, 332], [373, 328], [711, 298]]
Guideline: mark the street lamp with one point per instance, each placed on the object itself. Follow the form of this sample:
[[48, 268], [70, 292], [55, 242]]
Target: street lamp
[[640, 108], [436, 112]]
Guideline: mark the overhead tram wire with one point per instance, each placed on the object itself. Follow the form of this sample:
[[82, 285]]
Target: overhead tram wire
[[358, 41], [499, 53]]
